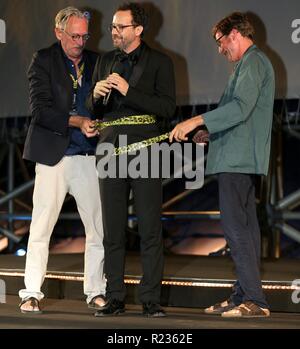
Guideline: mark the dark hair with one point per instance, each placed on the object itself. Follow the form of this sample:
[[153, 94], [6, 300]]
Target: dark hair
[[139, 15], [236, 20]]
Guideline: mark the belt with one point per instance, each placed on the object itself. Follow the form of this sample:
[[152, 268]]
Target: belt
[[141, 145], [133, 120], [127, 120]]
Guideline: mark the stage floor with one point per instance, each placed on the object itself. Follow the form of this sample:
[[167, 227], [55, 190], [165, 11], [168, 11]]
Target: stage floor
[[74, 314]]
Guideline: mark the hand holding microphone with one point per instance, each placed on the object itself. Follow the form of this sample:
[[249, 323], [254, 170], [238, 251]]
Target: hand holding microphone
[[118, 83], [104, 88], [101, 89]]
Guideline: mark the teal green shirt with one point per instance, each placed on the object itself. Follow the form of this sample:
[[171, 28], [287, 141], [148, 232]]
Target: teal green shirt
[[240, 128]]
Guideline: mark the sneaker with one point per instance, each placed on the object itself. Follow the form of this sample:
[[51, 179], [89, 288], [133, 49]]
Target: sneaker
[[219, 308], [247, 310]]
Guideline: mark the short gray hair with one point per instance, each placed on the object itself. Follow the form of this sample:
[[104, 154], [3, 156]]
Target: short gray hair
[[63, 16]]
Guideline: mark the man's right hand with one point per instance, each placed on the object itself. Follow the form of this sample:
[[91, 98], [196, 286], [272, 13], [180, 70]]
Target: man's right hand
[[86, 125], [101, 89], [180, 131], [88, 128]]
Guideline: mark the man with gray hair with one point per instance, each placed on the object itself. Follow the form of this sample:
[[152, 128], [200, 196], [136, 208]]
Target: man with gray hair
[[61, 141]]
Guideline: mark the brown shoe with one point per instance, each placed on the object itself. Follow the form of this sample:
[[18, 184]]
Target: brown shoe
[[247, 310], [219, 308], [34, 306], [98, 302]]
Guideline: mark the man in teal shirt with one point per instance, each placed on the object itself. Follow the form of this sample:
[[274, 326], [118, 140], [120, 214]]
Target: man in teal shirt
[[239, 148]]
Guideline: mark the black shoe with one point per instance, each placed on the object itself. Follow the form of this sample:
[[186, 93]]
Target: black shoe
[[113, 307], [224, 251], [153, 310]]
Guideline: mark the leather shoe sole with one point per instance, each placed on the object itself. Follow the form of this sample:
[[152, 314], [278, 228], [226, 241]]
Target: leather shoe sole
[[157, 314], [102, 313]]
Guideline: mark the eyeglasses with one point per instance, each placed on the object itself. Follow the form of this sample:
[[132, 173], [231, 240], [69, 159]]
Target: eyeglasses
[[218, 40], [76, 37], [120, 27]]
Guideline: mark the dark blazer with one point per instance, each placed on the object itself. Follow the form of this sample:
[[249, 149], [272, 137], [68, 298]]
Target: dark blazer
[[151, 91], [50, 90]]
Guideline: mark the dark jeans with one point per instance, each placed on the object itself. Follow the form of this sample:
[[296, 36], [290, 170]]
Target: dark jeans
[[242, 233]]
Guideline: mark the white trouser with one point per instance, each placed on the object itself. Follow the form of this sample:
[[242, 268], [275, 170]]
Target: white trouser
[[76, 175]]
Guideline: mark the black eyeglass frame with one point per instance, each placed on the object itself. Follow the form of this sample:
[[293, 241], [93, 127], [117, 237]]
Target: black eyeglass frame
[[120, 27], [218, 40]]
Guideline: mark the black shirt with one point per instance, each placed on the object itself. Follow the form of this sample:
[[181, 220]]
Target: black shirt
[[128, 61]]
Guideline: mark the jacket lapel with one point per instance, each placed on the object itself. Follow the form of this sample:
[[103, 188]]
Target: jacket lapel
[[62, 68], [140, 66], [62, 72], [109, 65]]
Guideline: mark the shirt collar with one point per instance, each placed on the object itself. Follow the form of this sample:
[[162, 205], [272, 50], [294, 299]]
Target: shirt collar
[[133, 56]]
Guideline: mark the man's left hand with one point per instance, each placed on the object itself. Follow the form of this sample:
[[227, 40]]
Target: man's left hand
[[118, 83]]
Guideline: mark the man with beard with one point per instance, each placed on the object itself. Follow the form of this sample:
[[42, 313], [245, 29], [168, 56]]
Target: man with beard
[[134, 93], [239, 148], [61, 140]]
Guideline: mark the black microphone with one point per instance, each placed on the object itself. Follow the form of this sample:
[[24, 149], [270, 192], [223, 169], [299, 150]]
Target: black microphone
[[119, 69]]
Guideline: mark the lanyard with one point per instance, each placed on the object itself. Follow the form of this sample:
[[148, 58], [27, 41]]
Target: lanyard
[[75, 87], [75, 81]]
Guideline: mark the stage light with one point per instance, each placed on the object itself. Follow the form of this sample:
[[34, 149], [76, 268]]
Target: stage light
[[131, 280], [20, 252]]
